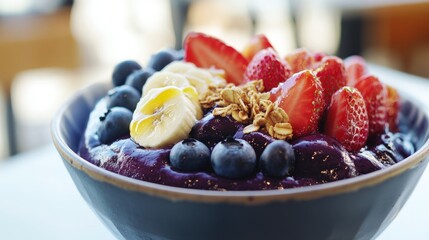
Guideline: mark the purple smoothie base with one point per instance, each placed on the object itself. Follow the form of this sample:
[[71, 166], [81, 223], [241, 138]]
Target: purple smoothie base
[[319, 158]]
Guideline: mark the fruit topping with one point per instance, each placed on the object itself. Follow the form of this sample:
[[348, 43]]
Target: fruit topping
[[183, 74], [256, 43], [199, 78], [347, 119], [220, 120], [322, 157], [123, 96], [277, 160], [301, 97], [179, 67], [233, 158], [318, 56], [190, 155], [374, 93], [355, 69], [402, 145], [332, 76], [161, 59], [165, 79], [385, 155], [300, 59], [138, 78], [398, 144], [164, 116], [206, 52], [123, 70], [114, 124], [269, 67]]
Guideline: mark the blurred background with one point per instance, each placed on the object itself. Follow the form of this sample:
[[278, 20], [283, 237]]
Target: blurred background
[[51, 48]]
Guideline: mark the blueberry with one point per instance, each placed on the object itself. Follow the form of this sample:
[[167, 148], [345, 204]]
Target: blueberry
[[123, 70], [138, 78], [233, 158], [123, 96], [277, 160], [161, 59], [386, 155], [190, 155], [114, 124], [403, 145], [397, 145]]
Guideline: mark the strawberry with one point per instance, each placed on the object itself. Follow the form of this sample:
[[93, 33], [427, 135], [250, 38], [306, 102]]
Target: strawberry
[[206, 51], [301, 97], [269, 67], [355, 69], [332, 76], [375, 94], [318, 56], [300, 59], [256, 43], [393, 105], [347, 118]]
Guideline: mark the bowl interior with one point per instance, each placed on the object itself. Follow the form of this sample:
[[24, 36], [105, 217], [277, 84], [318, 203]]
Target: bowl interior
[[74, 115], [413, 120]]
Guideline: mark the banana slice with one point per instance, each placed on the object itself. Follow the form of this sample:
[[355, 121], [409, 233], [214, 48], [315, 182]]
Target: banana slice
[[199, 84], [215, 72], [179, 67], [201, 74], [196, 77], [164, 116], [192, 94], [175, 74], [185, 67], [219, 81], [162, 79]]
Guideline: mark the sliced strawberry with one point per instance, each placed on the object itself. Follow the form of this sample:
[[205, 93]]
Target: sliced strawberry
[[269, 67], [393, 106], [301, 97], [300, 59], [318, 56], [256, 44], [375, 94], [332, 76], [355, 69], [347, 118], [206, 51]]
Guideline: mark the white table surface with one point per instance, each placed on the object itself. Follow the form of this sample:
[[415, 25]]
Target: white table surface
[[38, 199]]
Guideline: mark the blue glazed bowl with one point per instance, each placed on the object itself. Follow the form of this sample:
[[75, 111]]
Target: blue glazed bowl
[[357, 208]]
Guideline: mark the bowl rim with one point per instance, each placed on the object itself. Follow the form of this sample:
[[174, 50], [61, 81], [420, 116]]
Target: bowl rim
[[242, 197]]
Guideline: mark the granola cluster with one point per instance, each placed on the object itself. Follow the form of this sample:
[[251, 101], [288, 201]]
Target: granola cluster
[[248, 104]]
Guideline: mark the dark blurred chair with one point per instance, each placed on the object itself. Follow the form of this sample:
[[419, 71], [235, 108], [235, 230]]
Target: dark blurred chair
[[33, 41]]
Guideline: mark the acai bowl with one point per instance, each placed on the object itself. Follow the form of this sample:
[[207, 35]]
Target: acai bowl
[[357, 207]]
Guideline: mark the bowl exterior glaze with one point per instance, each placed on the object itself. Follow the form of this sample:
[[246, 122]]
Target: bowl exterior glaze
[[357, 208]]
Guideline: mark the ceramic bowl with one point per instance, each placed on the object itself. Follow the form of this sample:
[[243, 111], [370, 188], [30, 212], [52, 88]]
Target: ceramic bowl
[[356, 208]]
